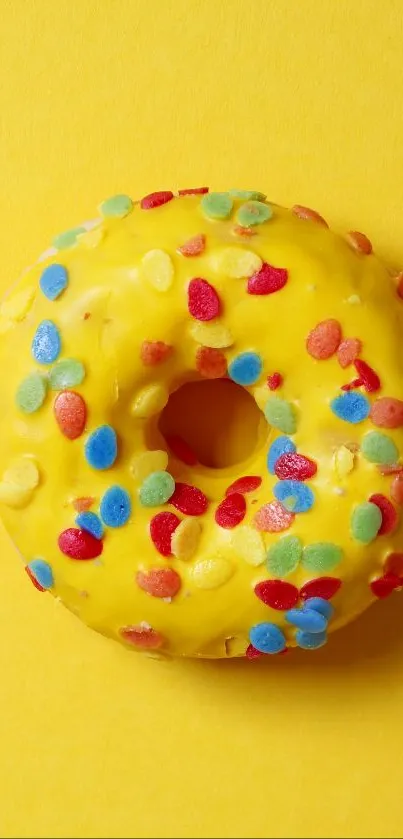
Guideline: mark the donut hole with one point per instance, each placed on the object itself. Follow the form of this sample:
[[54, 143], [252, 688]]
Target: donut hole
[[217, 418]]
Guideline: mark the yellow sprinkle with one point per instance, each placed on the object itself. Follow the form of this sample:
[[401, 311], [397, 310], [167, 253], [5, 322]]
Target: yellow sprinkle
[[343, 461], [149, 401], [157, 268], [143, 464], [92, 238], [14, 496], [248, 544], [354, 299], [214, 335], [212, 573], [185, 539], [23, 473], [18, 305], [261, 395], [236, 262]]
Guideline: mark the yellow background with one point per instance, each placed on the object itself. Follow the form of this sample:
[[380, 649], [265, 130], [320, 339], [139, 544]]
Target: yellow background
[[301, 99]]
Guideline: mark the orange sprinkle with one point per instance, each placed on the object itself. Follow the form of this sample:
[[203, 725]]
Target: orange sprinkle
[[360, 242], [308, 215], [83, 504], [194, 246], [244, 231], [143, 637], [159, 582], [154, 352], [71, 412], [348, 351], [211, 363]]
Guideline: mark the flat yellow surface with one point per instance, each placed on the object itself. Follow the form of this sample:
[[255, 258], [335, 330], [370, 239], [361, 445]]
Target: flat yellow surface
[[303, 101]]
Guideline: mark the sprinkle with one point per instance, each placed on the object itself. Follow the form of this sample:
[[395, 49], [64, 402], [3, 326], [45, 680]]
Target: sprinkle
[[247, 195], [248, 545], [294, 495], [40, 573], [245, 369], [351, 407], [254, 212], [297, 466], [318, 604], [115, 507], [46, 344], [321, 557], [273, 518], [159, 582], [14, 496], [143, 637], [370, 379], [157, 269], [396, 489], [252, 653], [231, 511], [92, 238], [23, 472], [274, 381], [78, 544], [236, 262], [308, 215], [91, 523], [68, 238], [378, 448], [248, 483], [243, 231], [392, 469], [394, 564], [16, 306], [310, 640], [71, 413], [353, 385], [149, 401], [156, 199], [203, 300], [388, 513], [323, 341], [359, 242], [267, 280], [348, 351], [344, 461], [146, 462], [325, 587], [387, 412], [212, 573], [53, 281], [280, 446], [267, 638], [154, 352], [217, 205], [189, 500], [156, 489], [306, 619], [354, 300], [281, 415], [185, 539], [384, 586], [211, 363], [162, 527], [66, 373], [277, 594], [83, 504], [284, 556], [214, 335], [200, 190], [101, 448], [194, 246], [181, 449], [366, 521], [118, 206]]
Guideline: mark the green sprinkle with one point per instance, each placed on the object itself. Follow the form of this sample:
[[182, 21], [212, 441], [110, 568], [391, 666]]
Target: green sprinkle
[[378, 448], [116, 207], [281, 414], [31, 393], [247, 195], [156, 489], [68, 238], [217, 205], [284, 556], [365, 522], [254, 212], [321, 557], [66, 373]]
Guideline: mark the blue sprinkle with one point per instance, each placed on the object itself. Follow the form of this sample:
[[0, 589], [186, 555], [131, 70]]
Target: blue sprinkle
[[101, 447], [116, 507], [53, 281], [296, 496], [283, 445], [309, 640], [46, 344], [245, 369], [42, 572], [351, 407], [307, 619], [267, 638], [91, 523], [319, 604]]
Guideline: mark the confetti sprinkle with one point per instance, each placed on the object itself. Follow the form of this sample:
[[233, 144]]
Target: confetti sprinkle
[[66, 373], [307, 619], [200, 190], [236, 263], [16, 306], [68, 238], [384, 586], [142, 637], [273, 518], [116, 507], [274, 381], [78, 544], [159, 582], [149, 401], [378, 448], [212, 573], [324, 339], [217, 205], [157, 269], [294, 495], [40, 574], [310, 640], [387, 412], [267, 638], [296, 466], [320, 605], [46, 344], [194, 246], [308, 215], [118, 206], [245, 369], [394, 564], [91, 523], [203, 300], [281, 415], [185, 539], [348, 351], [53, 281], [351, 407], [214, 335], [248, 545], [189, 500], [359, 242], [162, 528], [70, 411], [248, 483], [156, 489], [101, 448], [14, 496], [388, 513], [181, 449], [396, 489], [231, 511], [145, 463], [369, 378], [277, 594], [344, 460], [252, 653], [267, 280], [211, 363], [280, 446], [254, 212], [366, 521], [238, 230], [284, 556], [247, 195], [83, 504], [321, 557], [156, 199], [154, 352], [324, 587], [22, 472]]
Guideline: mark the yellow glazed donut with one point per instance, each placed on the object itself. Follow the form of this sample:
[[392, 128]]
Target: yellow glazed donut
[[202, 414]]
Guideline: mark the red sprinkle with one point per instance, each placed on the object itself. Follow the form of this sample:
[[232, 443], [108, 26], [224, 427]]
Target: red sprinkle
[[323, 341], [394, 565], [159, 582], [353, 385], [246, 484], [189, 500], [252, 653], [231, 511], [154, 352], [383, 586], [267, 280], [389, 514], [348, 351], [308, 215], [155, 199], [181, 449], [295, 466], [143, 637], [211, 363], [200, 190], [273, 518], [33, 579], [71, 413], [387, 412], [370, 379], [277, 594], [82, 504], [360, 242], [274, 381], [325, 587], [203, 300], [396, 489], [162, 526], [193, 246], [393, 469], [78, 544]]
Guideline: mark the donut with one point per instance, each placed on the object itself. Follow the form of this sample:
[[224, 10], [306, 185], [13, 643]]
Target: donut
[[202, 424]]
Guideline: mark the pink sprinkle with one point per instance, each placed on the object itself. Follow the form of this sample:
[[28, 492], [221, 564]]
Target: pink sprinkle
[[273, 518], [291, 465], [274, 381], [267, 280]]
